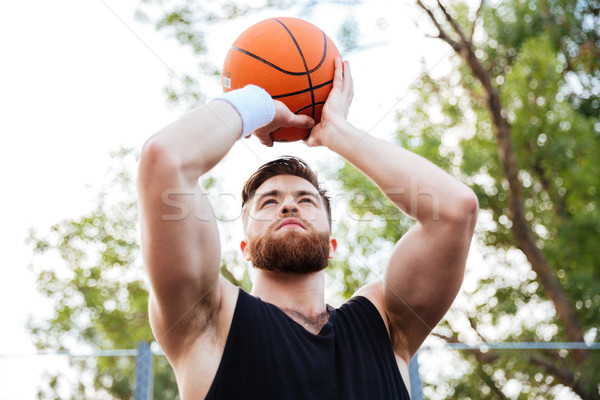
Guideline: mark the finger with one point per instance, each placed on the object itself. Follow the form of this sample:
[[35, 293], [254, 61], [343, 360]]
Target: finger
[[265, 138], [312, 140], [267, 141], [338, 75], [309, 141], [348, 84], [301, 121]]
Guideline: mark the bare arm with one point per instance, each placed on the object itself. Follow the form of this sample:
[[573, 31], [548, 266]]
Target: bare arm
[[180, 239], [426, 267]]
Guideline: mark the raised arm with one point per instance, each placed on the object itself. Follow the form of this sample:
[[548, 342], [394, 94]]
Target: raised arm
[[426, 267], [180, 239]]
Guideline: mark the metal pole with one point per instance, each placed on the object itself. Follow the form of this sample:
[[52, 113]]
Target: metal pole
[[143, 372], [415, 379]]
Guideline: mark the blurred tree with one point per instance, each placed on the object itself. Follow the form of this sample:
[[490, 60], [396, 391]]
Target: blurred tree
[[90, 269], [517, 119]]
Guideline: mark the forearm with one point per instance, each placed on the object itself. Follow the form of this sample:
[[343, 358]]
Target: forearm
[[198, 140], [414, 184]]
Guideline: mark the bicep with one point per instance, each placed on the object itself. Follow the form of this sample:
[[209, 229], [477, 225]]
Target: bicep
[[423, 276], [180, 239]]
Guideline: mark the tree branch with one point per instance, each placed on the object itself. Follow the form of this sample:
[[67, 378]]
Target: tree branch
[[475, 21], [560, 209], [508, 159], [482, 358], [453, 23], [441, 33], [474, 327], [561, 373]]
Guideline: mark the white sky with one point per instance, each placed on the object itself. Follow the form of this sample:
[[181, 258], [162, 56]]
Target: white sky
[[75, 84]]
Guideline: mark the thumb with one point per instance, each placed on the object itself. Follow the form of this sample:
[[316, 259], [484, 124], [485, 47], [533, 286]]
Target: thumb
[[301, 121]]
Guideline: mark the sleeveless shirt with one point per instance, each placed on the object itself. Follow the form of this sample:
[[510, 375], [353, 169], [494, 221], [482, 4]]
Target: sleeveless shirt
[[268, 355]]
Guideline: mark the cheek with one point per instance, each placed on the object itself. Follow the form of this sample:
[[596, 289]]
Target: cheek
[[261, 217], [257, 224], [316, 216], [320, 224], [319, 219]]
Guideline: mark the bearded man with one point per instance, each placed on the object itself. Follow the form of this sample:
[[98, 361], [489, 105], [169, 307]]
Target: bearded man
[[281, 341]]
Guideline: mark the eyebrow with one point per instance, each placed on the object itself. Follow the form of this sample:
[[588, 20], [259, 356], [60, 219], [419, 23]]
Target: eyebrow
[[276, 193]]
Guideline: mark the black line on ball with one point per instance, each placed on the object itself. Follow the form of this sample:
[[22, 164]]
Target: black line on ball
[[270, 64], [304, 108], [310, 85], [262, 60], [279, 96]]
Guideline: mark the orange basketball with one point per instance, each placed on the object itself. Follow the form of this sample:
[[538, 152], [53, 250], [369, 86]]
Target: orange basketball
[[291, 59]]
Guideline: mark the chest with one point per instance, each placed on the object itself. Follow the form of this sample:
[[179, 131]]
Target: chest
[[271, 353], [313, 324]]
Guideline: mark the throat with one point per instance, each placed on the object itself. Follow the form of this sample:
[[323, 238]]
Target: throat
[[312, 323]]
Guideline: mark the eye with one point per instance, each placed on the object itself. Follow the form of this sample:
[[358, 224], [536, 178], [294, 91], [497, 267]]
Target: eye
[[267, 202], [308, 199]]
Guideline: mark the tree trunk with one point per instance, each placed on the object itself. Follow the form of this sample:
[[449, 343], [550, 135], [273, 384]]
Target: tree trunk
[[524, 236]]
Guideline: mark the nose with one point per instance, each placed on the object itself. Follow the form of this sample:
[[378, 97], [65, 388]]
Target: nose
[[288, 207]]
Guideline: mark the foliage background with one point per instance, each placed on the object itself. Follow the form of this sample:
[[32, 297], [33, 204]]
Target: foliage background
[[542, 61]]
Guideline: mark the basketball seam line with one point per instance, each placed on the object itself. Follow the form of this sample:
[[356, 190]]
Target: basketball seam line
[[279, 96], [304, 108], [270, 64], [310, 85], [267, 62]]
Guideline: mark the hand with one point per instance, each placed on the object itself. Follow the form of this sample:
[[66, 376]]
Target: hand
[[284, 118], [335, 110]]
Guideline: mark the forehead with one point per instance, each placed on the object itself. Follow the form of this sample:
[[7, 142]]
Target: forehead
[[286, 184]]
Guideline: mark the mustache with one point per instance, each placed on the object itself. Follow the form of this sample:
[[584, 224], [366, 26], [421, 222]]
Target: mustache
[[307, 225]]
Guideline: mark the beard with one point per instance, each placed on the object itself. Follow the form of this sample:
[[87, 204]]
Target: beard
[[292, 251]]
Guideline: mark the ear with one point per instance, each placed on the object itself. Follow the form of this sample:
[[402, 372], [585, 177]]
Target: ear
[[332, 247], [244, 248]]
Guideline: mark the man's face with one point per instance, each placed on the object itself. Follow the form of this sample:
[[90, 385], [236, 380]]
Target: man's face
[[287, 228]]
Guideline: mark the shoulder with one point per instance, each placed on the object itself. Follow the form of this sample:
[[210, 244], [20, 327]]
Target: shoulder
[[374, 293]]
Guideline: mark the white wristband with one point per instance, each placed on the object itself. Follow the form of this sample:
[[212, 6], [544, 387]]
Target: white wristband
[[254, 104]]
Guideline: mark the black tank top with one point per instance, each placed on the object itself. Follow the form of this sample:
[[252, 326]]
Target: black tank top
[[268, 355]]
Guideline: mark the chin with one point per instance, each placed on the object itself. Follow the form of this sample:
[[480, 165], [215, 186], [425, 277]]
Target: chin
[[293, 251]]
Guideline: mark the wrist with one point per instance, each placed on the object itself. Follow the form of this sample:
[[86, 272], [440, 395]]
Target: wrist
[[254, 105], [340, 135]]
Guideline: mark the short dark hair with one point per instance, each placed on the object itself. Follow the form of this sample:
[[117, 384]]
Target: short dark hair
[[286, 165]]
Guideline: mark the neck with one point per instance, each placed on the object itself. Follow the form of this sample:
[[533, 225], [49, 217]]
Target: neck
[[300, 293]]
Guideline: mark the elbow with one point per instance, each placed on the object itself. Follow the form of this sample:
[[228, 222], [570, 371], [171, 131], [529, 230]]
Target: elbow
[[463, 210], [159, 168], [155, 156], [470, 204]]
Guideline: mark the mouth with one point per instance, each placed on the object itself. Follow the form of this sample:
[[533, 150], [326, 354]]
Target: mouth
[[290, 223]]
